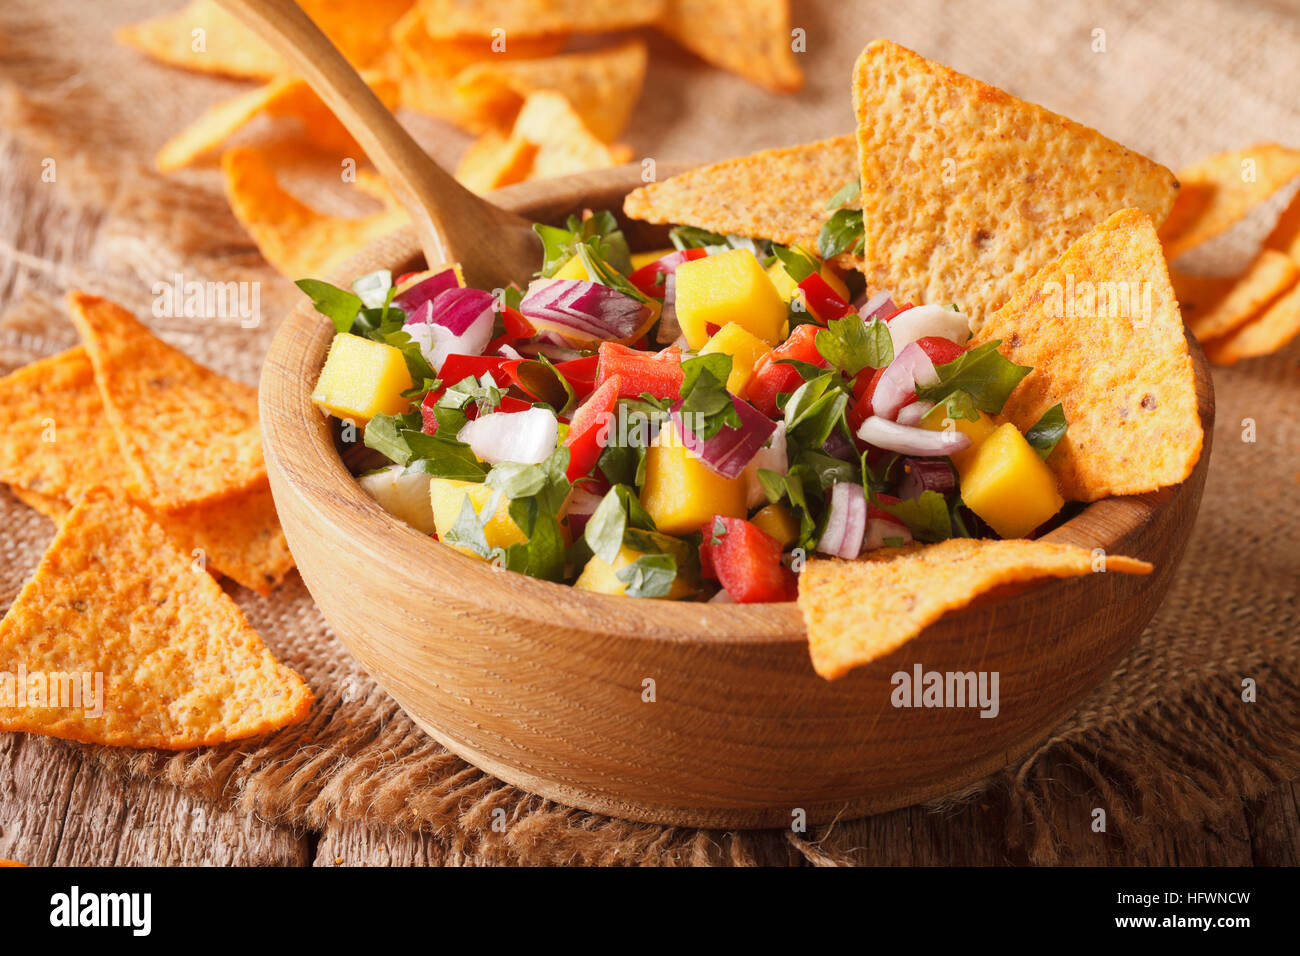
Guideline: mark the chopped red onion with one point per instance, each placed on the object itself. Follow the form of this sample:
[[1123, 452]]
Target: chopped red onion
[[913, 412], [732, 448], [837, 446], [911, 367], [923, 321], [880, 304], [459, 321], [878, 529], [525, 437], [584, 314], [926, 474], [579, 508], [772, 457], [416, 292], [846, 521], [907, 440]]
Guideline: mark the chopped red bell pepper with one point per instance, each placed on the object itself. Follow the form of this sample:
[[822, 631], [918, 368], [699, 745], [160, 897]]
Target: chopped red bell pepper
[[580, 374], [824, 303], [941, 351], [429, 421], [458, 367], [746, 561], [864, 387], [771, 379], [660, 375], [589, 429], [517, 328], [650, 278]]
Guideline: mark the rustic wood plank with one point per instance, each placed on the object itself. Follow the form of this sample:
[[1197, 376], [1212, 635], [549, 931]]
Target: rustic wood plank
[[357, 844]]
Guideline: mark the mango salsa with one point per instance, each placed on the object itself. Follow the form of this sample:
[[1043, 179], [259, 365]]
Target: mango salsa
[[447, 498], [573, 269], [728, 287], [976, 431], [1008, 485], [745, 350], [602, 577], [787, 287], [779, 522], [361, 379], [681, 493]]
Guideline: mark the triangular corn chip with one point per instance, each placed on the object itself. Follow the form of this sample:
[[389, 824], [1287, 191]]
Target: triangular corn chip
[[188, 434], [1100, 328], [113, 601], [1220, 190], [1285, 236], [284, 96], [564, 144], [56, 447], [1270, 275], [1265, 334], [602, 85], [298, 240], [749, 37], [494, 160], [859, 611], [777, 194], [968, 191], [526, 18]]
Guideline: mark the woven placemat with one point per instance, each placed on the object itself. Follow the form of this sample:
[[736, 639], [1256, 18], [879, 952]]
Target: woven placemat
[[1167, 738]]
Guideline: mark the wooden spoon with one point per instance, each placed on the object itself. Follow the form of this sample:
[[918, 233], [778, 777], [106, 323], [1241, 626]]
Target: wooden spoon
[[493, 247]]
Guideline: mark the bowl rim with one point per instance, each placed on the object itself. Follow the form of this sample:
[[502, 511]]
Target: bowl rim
[[300, 344]]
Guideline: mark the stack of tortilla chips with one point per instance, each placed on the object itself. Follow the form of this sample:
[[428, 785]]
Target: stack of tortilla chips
[[152, 467], [1044, 232], [498, 69]]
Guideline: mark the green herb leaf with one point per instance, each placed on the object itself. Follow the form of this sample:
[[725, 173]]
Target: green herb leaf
[[542, 555], [384, 434], [852, 345], [515, 480], [983, 372], [338, 305], [957, 405], [706, 403], [814, 409], [598, 232], [926, 517], [604, 531], [842, 232], [374, 288], [797, 266], [1047, 431], [649, 576], [845, 195], [468, 530]]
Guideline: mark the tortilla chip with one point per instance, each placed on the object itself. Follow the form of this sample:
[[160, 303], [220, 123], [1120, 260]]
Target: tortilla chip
[[1270, 275], [1285, 236], [859, 611], [1197, 294], [1221, 189], [777, 194], [188, 434], [1263, 335], [529, 18], [749, 37], [293, 237], [494, 160], [1101, 330], [564, 144], [359, 28], [968, 191], [602, 85], [181, 666], [282, 97]]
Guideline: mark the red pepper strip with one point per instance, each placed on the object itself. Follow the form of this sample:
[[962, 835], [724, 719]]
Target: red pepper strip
[[585, 439], [747, 561], [824, 303], [580, 374], [660, 375], [429, 421], [517, 329], [458, 367], [771, 379], [647, 278], [861, 409], [941, 351]]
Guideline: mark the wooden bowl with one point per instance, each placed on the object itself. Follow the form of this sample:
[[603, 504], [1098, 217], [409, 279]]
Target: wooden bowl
[[686, 714]]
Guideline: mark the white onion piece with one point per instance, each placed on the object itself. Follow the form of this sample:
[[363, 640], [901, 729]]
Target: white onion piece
[[578, 508], [722, 597], [925, 320], [437, 341], [856, 525], [907, 440], [837, 521], [911, 367], [525, 437], [773, 457], [913, 412], [878, 529]]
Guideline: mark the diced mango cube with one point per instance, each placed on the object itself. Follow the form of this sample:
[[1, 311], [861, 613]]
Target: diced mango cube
[[574, 269], [745, 350], [727, 287], [680, 492], [778, 521], [786, 285], [642, 259], [1008, 485], [602, 577], [977, 431], [361, 379], [447, 498]]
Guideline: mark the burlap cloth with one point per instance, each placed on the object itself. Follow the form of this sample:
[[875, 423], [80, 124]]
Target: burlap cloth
[[1167, 740]]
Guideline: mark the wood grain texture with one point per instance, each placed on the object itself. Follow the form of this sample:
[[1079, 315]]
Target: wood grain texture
[[541, 685]]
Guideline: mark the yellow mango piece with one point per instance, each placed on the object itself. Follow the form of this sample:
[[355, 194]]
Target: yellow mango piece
[[361, 379], [778, 521], [447, 498], [728, 287], [602, 577], [745, 350], [642, 259], [681, 493], [976, 431], [573, 269], [1008, 485], [786, 285]]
